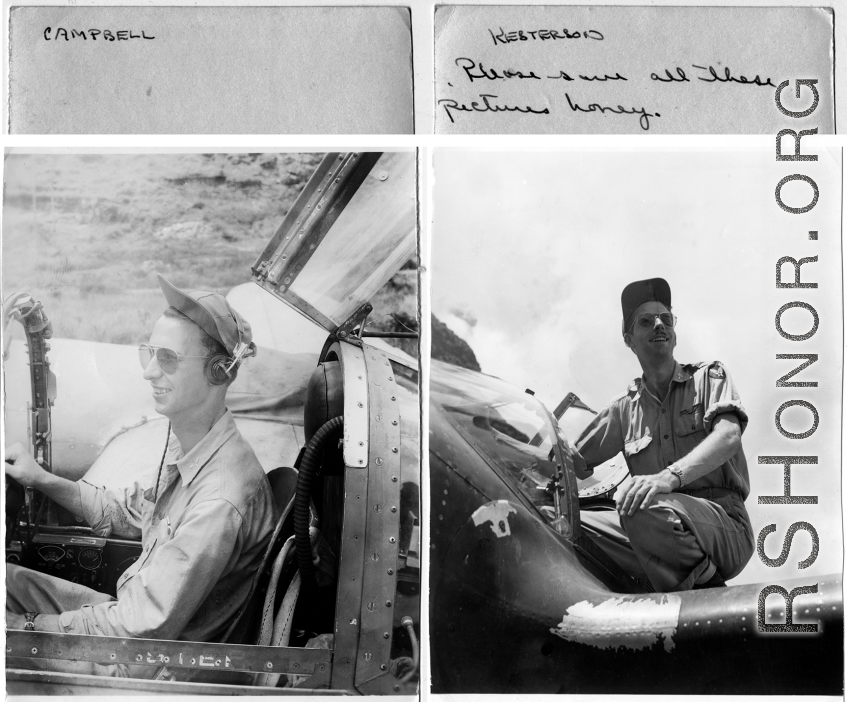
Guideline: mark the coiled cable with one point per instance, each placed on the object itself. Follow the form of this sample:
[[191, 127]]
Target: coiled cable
[[309, 467]]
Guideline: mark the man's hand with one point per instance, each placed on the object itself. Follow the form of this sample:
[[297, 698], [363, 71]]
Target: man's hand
[[22, 467], [637, 491]]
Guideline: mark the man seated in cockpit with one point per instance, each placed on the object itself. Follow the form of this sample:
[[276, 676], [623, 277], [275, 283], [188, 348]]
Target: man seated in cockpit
[[204, 522], [680, 520]]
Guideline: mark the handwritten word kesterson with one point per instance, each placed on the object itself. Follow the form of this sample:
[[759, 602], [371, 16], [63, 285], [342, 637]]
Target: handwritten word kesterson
[[486, 106], [504, 37], [58, 33]]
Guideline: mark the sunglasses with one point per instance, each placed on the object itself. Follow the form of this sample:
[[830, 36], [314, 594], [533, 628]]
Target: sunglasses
[[166, 358], [647, 320]]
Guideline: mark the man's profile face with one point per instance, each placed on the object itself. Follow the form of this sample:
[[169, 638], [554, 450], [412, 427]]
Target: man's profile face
[[653, 343], [182, 392]]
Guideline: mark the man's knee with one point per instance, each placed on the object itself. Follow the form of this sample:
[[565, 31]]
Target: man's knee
[[656, 514], [17, 578], [16, 588]]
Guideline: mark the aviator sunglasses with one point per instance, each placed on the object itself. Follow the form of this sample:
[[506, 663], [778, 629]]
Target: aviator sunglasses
[[647, 320], [168, 359]]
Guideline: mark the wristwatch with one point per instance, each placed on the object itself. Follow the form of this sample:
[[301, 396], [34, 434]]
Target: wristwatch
[[677, 471], [30, 621]]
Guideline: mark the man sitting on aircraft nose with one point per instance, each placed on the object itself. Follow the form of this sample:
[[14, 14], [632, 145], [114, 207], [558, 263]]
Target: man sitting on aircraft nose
[[204, 521], [680, 519]]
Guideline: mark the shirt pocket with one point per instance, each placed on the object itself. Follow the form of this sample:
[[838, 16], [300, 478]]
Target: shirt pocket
[[689, 431], [689, 422]]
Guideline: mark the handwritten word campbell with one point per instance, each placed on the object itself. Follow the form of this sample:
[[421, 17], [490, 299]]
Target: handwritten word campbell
[[486, 106], [85, 34], [504, 37]]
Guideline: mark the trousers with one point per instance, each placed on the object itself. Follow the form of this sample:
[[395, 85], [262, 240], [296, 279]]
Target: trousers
[[30, 591], [679, 540]]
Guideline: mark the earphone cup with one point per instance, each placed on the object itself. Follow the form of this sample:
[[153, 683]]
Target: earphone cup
[[216, 369]]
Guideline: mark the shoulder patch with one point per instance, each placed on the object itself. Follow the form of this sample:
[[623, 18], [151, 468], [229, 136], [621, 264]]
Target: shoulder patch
[[716, 370]]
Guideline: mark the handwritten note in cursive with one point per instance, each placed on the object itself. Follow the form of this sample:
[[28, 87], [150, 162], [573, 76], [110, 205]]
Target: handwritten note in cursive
[[613, 69]]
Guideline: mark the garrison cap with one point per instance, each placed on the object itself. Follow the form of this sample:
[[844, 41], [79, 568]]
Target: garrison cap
[[641, 291], [211, 312]]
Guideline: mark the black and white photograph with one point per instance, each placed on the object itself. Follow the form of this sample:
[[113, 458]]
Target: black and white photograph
[[434, 351], [635, 401], [212, 424]]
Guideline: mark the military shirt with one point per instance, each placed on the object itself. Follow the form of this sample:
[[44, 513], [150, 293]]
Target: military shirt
[[654, 433], [203, 540]]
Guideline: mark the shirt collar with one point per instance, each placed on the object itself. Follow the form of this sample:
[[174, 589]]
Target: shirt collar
[[680, 375], [189, 464]]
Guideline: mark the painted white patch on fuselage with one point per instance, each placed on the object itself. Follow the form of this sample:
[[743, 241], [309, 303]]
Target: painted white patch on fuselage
[[497, 514], [621, 622]]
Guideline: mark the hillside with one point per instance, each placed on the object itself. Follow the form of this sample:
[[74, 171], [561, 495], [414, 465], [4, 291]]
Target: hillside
[[448, 347], [86, 233]]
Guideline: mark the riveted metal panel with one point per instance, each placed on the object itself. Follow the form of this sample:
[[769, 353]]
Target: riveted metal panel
[[177, 654], [383, 520], [349, 596], [36, 682], [355, 382]]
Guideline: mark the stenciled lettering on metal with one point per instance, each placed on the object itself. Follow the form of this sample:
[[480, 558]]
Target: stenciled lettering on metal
[[383, 522], [109, 650], [355, 405]]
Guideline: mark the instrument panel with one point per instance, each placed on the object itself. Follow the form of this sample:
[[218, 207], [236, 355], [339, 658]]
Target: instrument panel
[[92, 561]]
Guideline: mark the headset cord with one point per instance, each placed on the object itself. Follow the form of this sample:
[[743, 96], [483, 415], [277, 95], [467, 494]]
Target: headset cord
[[161, 463]]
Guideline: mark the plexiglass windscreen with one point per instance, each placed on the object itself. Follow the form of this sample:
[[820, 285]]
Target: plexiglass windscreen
[[371, 239]]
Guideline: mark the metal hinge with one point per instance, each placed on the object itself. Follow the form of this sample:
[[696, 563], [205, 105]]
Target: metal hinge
[[357, 319]]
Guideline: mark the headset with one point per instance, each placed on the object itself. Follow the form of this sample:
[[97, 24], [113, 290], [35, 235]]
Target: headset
[[219, 366], [216, 370]]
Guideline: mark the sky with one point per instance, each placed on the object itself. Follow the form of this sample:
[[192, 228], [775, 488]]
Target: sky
[[531, 249]]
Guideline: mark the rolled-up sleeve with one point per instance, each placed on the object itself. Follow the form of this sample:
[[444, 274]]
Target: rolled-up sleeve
[[163, 596], [110, 512], [721, 396], [602, 439]]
